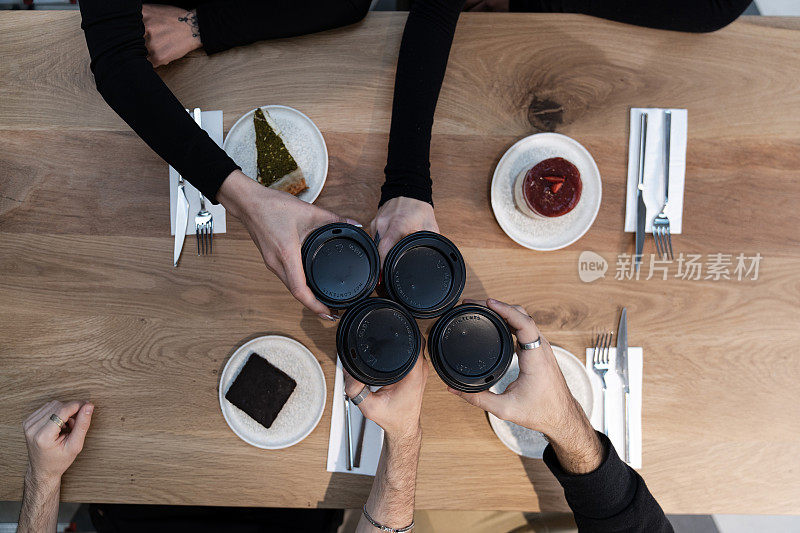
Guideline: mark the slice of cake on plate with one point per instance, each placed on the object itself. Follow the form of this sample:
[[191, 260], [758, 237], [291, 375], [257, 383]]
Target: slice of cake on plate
[[276, 166]]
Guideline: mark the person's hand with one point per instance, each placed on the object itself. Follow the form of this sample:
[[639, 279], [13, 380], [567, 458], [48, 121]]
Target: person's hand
[[169, 33], [278, 223], [51, 451], [396, 407], [399, 217], [539, 398], [486, 5]]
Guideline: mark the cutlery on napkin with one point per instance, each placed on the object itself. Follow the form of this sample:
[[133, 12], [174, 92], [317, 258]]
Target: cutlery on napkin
[[654, 167], [615, 410], [212, 123], [372, 441]]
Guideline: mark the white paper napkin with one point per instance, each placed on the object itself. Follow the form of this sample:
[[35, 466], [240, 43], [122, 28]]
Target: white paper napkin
[[337, 445], [615, 408], [654, 163], [212, 123]]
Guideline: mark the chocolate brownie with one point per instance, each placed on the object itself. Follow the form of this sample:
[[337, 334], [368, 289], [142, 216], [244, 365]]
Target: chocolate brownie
[[260, 390]]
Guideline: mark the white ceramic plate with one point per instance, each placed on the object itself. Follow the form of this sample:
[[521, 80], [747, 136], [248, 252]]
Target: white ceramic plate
[[527, 442], [301, 137], [545, 234], [303, 409]]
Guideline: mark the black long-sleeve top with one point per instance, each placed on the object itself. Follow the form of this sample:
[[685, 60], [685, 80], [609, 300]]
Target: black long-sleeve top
[[611, 498], [127, 81]]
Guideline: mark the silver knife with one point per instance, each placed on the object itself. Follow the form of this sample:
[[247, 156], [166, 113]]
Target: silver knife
[[641, 209], [348, 429], [622, 371], [181, 219]]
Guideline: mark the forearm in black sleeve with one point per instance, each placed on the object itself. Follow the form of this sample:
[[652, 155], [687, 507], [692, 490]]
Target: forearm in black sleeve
[[225, 24], [696, 16], [127, 81], [421, 65], [611, 498]]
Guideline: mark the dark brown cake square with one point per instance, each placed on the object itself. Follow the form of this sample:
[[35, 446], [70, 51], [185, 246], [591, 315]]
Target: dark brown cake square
[[260, 390]]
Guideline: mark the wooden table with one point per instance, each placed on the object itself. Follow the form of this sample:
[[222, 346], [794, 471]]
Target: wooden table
[[91, 307]]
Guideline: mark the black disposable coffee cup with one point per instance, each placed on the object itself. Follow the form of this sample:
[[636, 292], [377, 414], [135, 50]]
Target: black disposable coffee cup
[[378, 341], [425, 273], [341, 264], [470, 347]]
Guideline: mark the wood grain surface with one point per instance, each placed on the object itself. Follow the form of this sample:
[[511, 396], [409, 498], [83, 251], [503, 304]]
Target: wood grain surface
[[90, 306]]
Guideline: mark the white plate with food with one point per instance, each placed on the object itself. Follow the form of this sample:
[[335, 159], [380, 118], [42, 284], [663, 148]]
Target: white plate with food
[[560, 178], [297, 134], [300, 413], [524, 441]]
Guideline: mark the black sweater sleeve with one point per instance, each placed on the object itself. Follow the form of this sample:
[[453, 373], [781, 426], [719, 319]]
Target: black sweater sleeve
[[228, 23], [421, 65], [127, 81], [612, 498], [696, 16]]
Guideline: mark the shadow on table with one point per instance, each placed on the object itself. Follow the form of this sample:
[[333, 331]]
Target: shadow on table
[[346, 490], [548, 491], [321, 333]]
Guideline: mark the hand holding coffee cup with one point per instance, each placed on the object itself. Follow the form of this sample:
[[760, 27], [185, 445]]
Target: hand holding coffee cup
[[399, 217], [395, 407], [539, 398]]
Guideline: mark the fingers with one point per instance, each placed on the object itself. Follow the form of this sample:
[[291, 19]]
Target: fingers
[[486, 400], [36, 416], [386, 243], [351, 385], [63, 411], [83, 419], [295, 280], [520, 321], [323, 216]]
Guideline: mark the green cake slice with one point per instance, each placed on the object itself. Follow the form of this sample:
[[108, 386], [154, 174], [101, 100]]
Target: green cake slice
[[276, 166]]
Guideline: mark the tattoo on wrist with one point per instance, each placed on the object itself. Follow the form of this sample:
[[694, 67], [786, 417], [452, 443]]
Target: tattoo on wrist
[[190, 18]]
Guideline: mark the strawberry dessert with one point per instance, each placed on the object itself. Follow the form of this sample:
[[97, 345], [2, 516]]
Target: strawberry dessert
[[551, 188]]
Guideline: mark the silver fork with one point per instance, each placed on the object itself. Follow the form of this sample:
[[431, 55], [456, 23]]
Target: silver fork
[[661, 232], [204, 229], [600, 365], [203, 221]]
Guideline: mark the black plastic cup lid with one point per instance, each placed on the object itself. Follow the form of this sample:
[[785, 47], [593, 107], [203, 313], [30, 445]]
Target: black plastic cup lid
[[425, 273], [341, 263], [470, 347], [378, 341]]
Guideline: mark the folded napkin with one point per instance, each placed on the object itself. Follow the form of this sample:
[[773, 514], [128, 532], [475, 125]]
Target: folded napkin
[[654, 168], [212, 123], [615, 408], [337, 445]]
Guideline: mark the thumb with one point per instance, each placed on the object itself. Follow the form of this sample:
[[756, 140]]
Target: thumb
[[486, 400], [327, 217], [78, 435]]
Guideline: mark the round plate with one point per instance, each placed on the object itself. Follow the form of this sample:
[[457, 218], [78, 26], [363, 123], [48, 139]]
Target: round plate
[[542, 233], [301, 137], [302, 411], [524, 441]]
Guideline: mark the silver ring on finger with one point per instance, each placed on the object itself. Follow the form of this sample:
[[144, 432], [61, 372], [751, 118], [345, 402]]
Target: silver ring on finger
[[530, 345], [358, 398]]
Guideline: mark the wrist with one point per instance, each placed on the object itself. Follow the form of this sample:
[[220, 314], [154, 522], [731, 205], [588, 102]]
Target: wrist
[[41, 483], [237, 192], [575, 442], [190, 18], [407, 437]]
